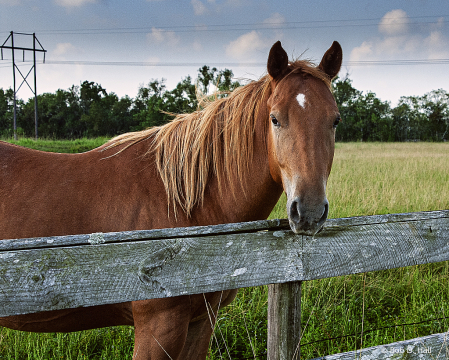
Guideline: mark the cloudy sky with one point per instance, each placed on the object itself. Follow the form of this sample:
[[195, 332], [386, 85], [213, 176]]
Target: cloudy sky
[[392, 48]]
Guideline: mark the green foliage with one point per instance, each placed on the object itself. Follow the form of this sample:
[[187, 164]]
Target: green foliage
[[367, 118], [222, 79], [89, 110], [424, 117]]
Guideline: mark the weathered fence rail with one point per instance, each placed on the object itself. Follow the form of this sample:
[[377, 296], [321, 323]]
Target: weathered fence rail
[[83, 270]]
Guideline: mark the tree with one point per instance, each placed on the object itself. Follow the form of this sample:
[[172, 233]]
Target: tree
[[436, 106], [365, 117], [400, 119], [346, 97], [222, 80], [206, 76], [150, 102], [6, 111], [424, 117], [157, 106], [121, 116], [90, 92]]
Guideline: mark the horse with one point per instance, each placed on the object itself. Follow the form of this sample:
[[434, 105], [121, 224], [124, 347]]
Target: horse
[[229, 161]]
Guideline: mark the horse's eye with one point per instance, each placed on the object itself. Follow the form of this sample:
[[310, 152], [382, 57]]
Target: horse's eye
[[337, 121], [274, 120]]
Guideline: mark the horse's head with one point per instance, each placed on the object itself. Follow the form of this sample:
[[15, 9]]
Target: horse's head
[[303, 117]]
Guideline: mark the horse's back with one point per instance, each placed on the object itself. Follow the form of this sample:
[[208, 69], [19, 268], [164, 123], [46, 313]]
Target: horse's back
[[47, 194], [34, 186]]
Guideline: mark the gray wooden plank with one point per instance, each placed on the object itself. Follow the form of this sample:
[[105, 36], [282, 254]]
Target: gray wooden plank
[[124, 236], [154, 234], [387, 218], [433, 347], [50, 278], [362, 248]]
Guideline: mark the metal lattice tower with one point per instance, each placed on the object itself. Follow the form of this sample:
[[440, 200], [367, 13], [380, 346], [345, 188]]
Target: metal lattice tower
[[24, 78]]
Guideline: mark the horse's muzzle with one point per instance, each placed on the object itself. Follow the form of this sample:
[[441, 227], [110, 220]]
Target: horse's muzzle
[[307, 220]]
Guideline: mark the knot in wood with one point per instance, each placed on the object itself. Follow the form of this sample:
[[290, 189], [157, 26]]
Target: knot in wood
[[152, 266]]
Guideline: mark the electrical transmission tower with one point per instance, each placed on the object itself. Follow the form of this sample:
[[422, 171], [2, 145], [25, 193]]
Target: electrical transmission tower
[[24, 78]]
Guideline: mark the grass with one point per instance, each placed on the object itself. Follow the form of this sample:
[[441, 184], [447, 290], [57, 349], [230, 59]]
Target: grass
[[108, 343], [367, 179], [60, 146], [385, 178]]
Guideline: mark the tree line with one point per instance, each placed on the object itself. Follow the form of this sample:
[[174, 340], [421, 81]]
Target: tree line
[[89, 110], [367, 118]]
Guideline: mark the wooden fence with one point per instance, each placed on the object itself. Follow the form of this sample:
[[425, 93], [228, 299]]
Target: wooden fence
[[53, 273]]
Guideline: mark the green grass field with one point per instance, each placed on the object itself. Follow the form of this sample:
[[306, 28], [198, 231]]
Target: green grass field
[[367, 179]]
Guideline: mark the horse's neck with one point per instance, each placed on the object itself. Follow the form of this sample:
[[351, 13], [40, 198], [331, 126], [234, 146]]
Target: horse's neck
[[254, 195]]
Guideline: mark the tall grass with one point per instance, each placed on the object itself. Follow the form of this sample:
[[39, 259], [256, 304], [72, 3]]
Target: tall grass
[[381, 178], [385, 178], [366, 179]]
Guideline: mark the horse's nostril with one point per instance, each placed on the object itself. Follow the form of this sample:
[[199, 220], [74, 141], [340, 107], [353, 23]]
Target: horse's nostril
[[325, 213], [294, 211]]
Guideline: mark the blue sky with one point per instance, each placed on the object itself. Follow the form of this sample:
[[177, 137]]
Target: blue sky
[[86, 39]]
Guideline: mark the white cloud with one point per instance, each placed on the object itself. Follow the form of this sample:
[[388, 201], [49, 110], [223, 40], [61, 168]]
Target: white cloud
[[394, 22], [159, 36], [396, 41], [63, 49], [73, 3], [275, 20], [198, 7], [245, 46], [362, 52], [437, 45], [251, 44]]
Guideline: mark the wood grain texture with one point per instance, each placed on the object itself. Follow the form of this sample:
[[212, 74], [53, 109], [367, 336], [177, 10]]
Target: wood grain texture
[[433, 347], [155, 234], [66, 272], [284, 321]]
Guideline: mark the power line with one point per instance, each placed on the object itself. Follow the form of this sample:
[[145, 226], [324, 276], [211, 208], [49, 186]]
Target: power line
[[286, 25], [401, 62]]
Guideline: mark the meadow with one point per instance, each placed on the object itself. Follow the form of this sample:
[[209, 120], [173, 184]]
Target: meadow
[[338, 314]]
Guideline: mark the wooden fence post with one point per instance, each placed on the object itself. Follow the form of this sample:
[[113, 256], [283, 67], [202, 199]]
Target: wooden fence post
[[284, 321]]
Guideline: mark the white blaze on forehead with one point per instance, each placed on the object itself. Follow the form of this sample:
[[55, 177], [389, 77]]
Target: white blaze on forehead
[[301, 98]]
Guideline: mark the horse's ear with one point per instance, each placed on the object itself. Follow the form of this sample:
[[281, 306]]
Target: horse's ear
[[277, 61], [331, 61]]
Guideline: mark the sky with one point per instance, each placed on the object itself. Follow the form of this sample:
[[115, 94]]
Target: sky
[[392, 48]]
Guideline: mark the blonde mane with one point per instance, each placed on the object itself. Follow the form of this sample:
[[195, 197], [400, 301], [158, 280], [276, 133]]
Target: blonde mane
[[217, 139]]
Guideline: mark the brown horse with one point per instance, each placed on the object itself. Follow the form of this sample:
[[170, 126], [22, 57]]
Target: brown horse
[[228, 162]]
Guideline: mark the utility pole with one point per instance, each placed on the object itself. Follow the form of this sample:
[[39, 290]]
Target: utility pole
[[15, 67]]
